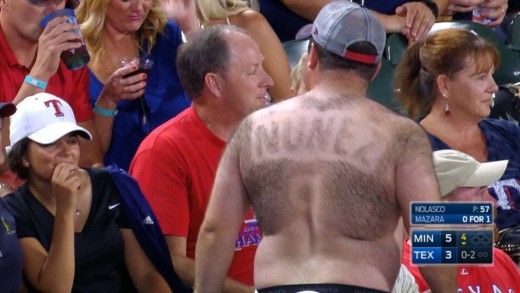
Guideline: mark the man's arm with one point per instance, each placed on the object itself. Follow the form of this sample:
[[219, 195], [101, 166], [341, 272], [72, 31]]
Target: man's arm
[[226, 210], [415, 181], [185, 266], [58, 36]]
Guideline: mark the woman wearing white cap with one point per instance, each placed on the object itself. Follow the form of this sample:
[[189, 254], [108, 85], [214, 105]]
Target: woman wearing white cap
[[73, 235]]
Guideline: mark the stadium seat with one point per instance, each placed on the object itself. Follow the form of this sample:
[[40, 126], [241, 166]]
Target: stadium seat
[[294, 50], [514, 34], [509, 70], [381, 89], [396, 44]]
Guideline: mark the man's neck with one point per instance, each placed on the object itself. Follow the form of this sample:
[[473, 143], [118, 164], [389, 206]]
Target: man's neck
[[341, 82], [216, 120], [23, 48]]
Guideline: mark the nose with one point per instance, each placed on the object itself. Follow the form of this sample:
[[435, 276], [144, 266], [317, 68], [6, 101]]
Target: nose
[[493, 85], [267, 81], [64, 147], [137, 5]]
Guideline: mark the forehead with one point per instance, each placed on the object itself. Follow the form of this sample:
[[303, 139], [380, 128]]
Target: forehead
[[479, 63], [243, 49]]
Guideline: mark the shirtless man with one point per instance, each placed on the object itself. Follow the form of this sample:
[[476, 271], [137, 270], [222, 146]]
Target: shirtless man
[[329, 175]]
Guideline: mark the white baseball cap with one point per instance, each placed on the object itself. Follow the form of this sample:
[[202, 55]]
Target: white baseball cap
[[457, 169], [43, 118]]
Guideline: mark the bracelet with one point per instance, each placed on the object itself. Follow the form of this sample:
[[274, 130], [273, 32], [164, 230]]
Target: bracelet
[[432, 5], [35, 82], [105, 112]]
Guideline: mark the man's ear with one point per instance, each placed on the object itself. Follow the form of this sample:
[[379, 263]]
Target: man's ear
[[378, 68], [313, 59], [213, 82]]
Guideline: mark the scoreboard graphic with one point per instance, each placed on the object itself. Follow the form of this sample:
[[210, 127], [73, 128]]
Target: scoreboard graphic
[[435, 242]]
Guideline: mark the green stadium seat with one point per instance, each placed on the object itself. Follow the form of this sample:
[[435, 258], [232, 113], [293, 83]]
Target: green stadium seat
[[396, 45], [294, 50], [381, 89], [509, 69], [514, 34]]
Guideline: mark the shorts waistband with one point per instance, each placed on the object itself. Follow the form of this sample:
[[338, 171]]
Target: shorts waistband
[[320, 288]]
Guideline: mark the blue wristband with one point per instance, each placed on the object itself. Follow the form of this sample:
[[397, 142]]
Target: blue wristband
[[35, 82], [105, 112]]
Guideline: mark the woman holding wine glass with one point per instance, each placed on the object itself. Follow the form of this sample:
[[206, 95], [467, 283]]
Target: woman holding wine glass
[[131, 29]]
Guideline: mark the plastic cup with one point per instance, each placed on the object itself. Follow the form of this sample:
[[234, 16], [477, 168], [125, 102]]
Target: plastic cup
[[73, 58], [477, 15]]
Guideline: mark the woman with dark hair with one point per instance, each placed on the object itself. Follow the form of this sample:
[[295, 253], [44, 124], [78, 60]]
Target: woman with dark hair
[[74, 232]]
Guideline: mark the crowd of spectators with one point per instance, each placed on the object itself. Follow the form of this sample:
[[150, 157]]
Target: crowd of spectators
[[213, 63]]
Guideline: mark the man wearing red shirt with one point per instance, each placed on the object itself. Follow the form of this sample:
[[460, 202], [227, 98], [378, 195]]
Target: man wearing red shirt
[[221, 70]]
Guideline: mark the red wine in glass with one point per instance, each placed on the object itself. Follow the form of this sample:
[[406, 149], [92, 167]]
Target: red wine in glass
[[143, 66]]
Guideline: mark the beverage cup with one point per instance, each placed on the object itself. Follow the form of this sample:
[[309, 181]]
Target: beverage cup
[[143, 66], [73, 58], [477, 15]]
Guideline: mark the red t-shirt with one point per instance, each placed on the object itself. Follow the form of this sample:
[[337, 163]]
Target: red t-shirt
[[70, 85], [502, 276], [175, 167]]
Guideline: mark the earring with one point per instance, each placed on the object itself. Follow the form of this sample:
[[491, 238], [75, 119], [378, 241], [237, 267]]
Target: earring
[[26, 164], [446, 105], [493, 100]]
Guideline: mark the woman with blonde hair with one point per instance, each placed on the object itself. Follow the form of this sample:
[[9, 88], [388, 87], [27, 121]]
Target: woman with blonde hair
[[447, 82], [236, 12], [119, 30]]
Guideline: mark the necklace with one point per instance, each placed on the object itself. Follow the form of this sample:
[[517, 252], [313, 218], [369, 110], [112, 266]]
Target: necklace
[[78, 212]]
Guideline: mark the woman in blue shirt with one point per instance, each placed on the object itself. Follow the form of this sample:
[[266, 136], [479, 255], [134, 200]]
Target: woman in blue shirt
[[447, 79], [117, 30]]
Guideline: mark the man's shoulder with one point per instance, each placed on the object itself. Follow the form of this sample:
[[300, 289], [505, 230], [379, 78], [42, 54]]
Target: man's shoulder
[[175, 131]]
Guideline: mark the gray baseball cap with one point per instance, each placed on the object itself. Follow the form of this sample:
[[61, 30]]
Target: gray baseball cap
[[340, 24]]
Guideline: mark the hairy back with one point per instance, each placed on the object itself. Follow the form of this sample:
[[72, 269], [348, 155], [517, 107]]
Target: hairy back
[[327, 164]]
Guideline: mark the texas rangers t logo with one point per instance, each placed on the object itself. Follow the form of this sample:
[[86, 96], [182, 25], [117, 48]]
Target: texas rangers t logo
[[57, 107]]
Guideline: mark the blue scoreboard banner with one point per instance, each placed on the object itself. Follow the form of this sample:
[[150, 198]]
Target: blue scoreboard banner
[[430, 247], [444, 213]]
